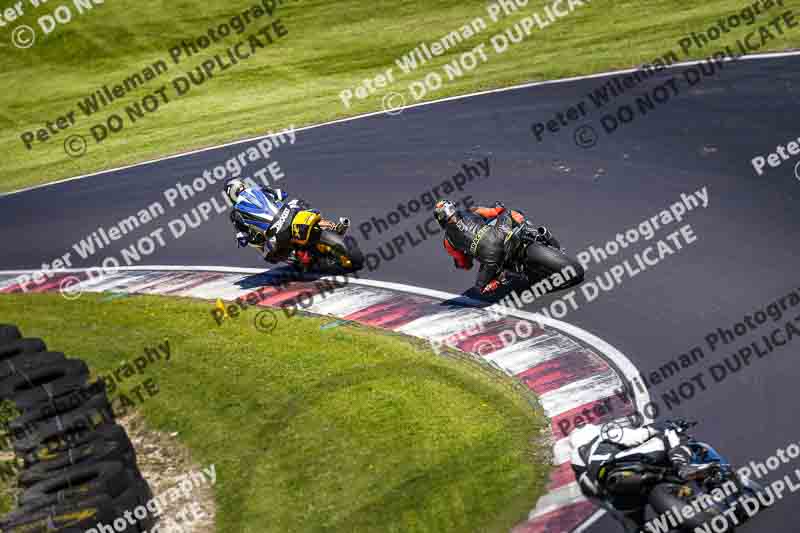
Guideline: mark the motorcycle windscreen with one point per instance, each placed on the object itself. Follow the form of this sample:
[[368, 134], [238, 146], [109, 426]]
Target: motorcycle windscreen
[[258, 209]]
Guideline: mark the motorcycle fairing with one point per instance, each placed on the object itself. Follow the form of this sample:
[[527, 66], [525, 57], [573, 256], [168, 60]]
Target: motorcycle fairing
[[258, 209], [703, 453], [302, 224]]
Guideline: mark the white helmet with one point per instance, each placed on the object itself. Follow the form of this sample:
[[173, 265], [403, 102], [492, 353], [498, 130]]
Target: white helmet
[[234, 188]]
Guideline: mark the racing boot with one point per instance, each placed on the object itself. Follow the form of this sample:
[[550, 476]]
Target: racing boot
[[496, 284]]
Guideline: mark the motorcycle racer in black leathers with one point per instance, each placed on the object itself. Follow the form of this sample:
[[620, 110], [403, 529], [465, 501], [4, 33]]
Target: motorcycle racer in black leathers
[[480, 234]]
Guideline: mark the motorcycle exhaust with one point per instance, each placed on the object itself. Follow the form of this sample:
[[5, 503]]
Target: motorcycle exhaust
[[542, 233]]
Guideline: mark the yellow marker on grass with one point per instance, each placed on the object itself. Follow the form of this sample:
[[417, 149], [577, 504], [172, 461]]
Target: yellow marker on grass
[[222, 308]]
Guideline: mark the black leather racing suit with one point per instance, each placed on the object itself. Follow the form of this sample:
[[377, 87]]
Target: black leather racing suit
[[471, 235]]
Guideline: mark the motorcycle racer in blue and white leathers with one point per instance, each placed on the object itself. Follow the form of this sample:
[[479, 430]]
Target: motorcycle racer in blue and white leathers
[[263, 219]]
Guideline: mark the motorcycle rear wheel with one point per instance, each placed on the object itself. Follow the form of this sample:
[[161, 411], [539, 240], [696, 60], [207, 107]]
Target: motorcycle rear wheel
[[666, 497], [344, 251], [544, 261]]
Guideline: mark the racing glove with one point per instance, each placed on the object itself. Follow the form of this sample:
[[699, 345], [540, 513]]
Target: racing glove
[[242, 239]]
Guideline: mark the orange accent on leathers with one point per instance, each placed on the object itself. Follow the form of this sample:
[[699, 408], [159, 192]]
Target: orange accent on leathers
[[463, 261], [491, 286], [492, 212], [489, 212], [517, 216]]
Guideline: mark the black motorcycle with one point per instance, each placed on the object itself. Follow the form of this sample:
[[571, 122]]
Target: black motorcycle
[[714, 490], [536, 254]]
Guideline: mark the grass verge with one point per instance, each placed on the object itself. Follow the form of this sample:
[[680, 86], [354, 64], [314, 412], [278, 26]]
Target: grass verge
[[9, 466], [342, 429], [330, 47]]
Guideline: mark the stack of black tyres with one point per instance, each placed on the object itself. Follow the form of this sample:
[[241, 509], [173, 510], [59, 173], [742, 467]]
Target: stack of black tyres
[[78, 467]]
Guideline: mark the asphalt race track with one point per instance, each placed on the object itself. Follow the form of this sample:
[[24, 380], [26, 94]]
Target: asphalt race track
[[744, 258]]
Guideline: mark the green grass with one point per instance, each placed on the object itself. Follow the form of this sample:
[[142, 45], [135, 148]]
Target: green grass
[[331, 46], [337, 430], [9, 465]]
